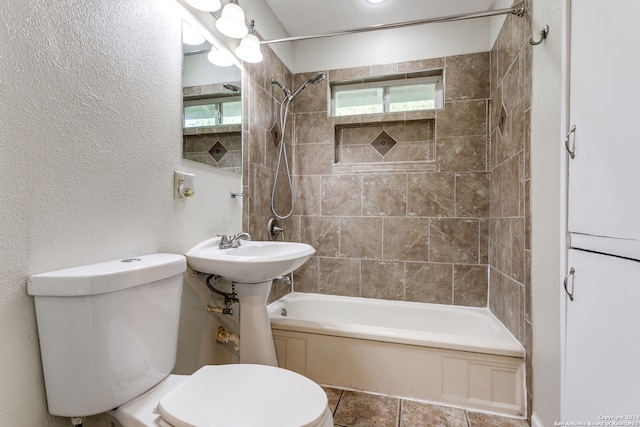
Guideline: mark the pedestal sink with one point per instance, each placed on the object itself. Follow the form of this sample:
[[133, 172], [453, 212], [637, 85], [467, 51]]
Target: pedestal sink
[[252, 267]]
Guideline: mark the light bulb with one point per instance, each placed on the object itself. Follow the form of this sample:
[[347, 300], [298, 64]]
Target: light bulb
[[219, 58], [231, 22], [249, 49]]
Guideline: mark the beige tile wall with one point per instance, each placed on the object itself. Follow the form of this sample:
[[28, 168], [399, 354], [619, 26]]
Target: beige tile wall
[[261, 106], [413, 233], [510, 179], [438, 216]]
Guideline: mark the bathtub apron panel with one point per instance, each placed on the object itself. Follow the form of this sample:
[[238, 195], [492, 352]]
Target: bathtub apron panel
[[321, 350]]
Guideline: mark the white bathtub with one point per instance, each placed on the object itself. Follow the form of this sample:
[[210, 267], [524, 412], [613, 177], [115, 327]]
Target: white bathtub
[[449, 354]]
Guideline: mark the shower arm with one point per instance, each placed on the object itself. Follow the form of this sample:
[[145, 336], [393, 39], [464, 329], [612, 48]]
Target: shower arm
[[274, 82], [517, 9]]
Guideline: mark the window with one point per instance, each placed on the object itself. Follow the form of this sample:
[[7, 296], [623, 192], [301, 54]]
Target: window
[[212, 112], [389, 96]]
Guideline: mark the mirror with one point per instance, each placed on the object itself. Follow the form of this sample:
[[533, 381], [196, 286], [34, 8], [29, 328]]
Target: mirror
[[212, 107]]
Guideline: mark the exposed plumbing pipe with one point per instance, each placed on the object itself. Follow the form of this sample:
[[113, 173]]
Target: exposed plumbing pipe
[[229, 297], [225, 310], [223, 336]]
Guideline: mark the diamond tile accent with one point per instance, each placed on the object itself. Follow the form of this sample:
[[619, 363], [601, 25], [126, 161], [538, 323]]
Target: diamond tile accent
[[276, 134], [217, 151], [383, 143]]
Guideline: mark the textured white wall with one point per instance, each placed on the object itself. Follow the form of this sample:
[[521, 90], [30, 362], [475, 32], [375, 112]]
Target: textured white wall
[[90, 134], [390, 46]]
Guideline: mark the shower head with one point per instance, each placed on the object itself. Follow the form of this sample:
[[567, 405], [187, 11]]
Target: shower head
[[316, 78]]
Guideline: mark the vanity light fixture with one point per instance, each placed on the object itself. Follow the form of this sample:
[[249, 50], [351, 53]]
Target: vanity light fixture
[[231, 21], [219, 58], [206, 5], [375, 1], [249, 48]]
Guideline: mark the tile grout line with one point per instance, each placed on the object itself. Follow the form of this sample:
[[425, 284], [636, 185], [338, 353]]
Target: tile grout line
[[399, 418], [466, 418], [335, 411]]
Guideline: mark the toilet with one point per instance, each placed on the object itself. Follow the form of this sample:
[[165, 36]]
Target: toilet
[[108, 340]]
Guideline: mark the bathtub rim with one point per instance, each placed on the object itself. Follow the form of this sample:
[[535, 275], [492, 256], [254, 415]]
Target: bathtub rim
[[505, 344]]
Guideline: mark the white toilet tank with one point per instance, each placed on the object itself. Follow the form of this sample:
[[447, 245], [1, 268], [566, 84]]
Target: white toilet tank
[[108, 332]]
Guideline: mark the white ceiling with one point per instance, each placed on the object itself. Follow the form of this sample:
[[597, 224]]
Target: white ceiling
[[314, 17]]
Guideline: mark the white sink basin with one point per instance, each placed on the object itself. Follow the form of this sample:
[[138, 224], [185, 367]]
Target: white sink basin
[[252, 262]]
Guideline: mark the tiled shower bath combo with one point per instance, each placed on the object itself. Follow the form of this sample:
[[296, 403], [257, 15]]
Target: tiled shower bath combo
[[427, 207]]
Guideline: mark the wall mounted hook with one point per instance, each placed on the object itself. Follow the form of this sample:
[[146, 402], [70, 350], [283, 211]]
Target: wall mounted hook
[[543, 35]]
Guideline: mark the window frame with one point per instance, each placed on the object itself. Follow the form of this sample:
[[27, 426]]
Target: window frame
[[385, 84]]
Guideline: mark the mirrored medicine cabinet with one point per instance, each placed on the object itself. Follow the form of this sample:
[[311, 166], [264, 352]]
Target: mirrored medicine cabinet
[[212, 109]]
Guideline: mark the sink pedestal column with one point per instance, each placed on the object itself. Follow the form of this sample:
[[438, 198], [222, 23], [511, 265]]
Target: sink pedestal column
[[256, 339]]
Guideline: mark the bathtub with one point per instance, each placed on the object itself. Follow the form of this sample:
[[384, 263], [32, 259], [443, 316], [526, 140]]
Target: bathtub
[[454, 355]]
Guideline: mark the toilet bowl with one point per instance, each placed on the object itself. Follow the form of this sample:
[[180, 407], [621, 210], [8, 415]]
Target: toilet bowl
[[98, 328], [229, 396]]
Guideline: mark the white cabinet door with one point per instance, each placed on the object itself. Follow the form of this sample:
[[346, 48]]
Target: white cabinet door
[[602, 366], [604, 176]]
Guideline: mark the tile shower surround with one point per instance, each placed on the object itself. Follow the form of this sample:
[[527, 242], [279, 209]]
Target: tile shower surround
[[422, 235], [416, 235], [408, 235], [510, 183]]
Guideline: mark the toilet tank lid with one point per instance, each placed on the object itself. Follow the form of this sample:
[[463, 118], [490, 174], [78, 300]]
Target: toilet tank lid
[[108, 276]]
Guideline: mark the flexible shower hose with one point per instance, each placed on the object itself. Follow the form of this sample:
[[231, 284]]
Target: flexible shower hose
[[284, 111]]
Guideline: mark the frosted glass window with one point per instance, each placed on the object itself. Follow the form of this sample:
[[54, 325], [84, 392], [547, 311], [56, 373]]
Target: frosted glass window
[[388, 96], [231, 113], [200, 115], [359, 101], [210, 113], [412, 97]]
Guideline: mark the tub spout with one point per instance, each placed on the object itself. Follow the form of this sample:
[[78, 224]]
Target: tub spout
[[285, 279]]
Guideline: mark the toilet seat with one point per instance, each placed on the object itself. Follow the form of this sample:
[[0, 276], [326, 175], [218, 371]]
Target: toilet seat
[[245, 395]]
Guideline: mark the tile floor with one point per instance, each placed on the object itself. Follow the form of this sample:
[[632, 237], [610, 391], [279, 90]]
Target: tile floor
[[352, 408]]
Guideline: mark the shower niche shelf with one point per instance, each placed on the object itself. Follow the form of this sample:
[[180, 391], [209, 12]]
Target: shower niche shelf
[[390, 145]]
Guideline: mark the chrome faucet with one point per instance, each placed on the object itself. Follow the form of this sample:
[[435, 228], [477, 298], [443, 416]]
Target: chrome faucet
[[227, 242]]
